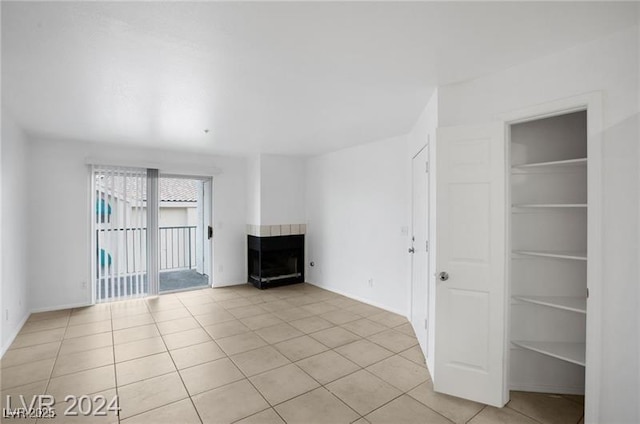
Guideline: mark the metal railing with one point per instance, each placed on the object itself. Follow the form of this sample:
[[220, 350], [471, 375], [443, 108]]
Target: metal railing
[[123, 250], [177, 247]]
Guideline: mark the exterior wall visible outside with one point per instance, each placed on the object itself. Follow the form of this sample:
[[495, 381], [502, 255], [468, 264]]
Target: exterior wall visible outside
[[126, 251]]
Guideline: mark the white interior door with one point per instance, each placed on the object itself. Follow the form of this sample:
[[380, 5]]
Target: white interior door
[[470, 288], [419, 247]]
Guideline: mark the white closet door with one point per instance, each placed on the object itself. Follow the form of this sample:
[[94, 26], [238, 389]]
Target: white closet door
[[470, 288]]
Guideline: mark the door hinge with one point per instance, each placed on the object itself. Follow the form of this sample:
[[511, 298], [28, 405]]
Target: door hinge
[[426, 326], [427, 245], [587, 292], [426, 167]]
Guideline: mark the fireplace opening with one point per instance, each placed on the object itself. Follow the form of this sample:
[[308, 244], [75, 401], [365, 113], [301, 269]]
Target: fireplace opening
[[277, 260]]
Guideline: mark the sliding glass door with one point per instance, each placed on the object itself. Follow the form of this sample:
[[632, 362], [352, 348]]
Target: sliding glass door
[[150, 234]]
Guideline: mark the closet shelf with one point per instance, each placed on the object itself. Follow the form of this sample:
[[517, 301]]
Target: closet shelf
[[574, 304], [570, 352], [578, 256], [569, 163], [549, 205]]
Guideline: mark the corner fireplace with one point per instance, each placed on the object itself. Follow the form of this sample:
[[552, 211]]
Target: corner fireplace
[[275, 260]]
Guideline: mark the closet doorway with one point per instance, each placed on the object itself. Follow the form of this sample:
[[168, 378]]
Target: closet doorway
[[519, 269], [548, 262]]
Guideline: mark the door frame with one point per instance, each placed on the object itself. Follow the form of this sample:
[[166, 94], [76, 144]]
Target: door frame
[[592, 104], [165, 168], [208, 259], [429, 326], [207, 201]]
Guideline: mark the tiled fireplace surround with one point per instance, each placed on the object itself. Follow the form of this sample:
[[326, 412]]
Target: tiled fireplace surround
[[276, 230]]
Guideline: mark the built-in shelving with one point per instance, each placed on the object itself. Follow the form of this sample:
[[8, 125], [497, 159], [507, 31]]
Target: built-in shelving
[[567, 303], [578, 256], [551, 164], [551, 206], [547, 270], [566, 351]]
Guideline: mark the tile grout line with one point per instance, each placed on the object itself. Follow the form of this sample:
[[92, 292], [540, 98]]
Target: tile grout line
[[178, 370], [57, 354], [115, 369], [149, 378], [185, 302], [476, 414], [522, 413], [320, 385], [241, 372], [253, 385], [245, 376]]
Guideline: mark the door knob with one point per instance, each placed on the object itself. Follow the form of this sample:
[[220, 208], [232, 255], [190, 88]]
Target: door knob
[[412, 250], [443, 276]]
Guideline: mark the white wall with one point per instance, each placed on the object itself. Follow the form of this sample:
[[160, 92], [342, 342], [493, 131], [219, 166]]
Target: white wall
[[282, 190], [15, 230], [610, 65], [175, 216], [59, 213], [275, 190], [253, 190], [423, 134], [357, 204], [638, 130]]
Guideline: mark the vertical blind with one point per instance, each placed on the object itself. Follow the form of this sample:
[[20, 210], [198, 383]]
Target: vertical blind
[[152, 234], [120, 235]]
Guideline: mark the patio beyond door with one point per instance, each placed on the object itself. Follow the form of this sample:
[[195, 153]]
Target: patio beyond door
[[183, 216]]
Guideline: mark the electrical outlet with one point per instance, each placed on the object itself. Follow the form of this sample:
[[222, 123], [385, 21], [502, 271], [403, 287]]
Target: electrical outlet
[[370, 282]]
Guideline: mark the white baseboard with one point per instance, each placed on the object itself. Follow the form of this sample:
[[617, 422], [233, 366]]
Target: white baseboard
[[229, 284], [564, 390], [15, 332], [359, 299], [60, 307]]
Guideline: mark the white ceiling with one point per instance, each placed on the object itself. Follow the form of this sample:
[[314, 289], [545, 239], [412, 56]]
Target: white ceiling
[[288, 78]]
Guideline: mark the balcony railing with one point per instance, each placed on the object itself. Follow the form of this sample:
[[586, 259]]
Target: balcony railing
[[123, 250], [177, 247]]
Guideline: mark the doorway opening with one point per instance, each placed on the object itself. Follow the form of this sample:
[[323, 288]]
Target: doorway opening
[[548, 260], [184, 213]]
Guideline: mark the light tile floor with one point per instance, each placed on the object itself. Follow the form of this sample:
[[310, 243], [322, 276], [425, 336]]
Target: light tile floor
[[295, 354]]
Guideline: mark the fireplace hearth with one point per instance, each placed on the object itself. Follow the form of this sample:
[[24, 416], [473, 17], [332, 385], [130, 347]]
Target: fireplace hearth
[[275, 260]]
